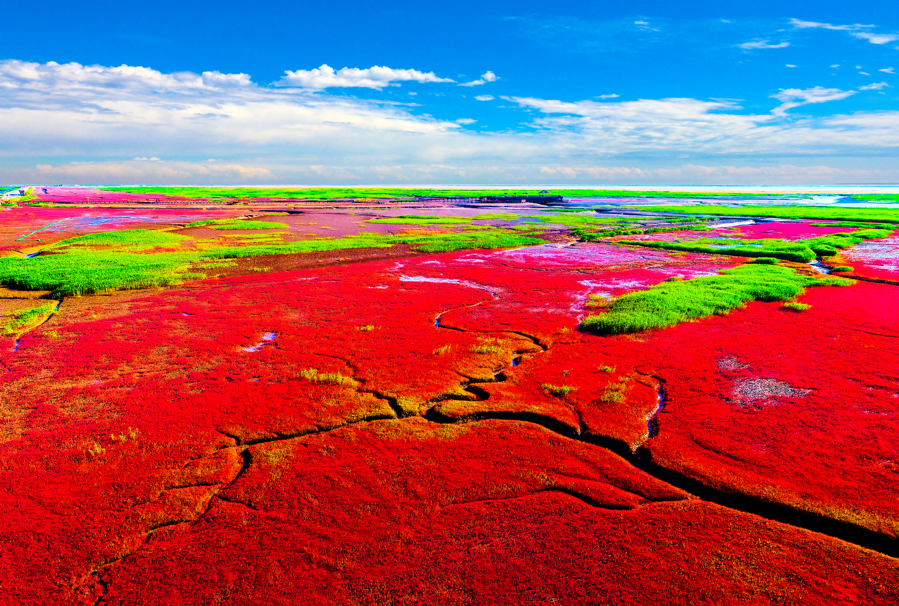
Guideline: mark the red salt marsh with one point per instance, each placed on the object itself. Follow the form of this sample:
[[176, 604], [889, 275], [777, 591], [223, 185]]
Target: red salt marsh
[[878, 259], [787, 230], [35, 226], [436, 430], [796, 408]]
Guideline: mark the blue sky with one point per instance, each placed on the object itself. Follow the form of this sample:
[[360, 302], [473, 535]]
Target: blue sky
[[467, 92]]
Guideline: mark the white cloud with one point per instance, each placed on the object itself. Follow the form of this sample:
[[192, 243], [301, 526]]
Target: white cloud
[[876, 38], [485, 97], [613, 96], [864, 73], [887, 70], [790, 65], [149, 170], [77, 111], [795, 97], [487, 77], [857, 30], [16, 74], [465, 121], [758, 44], [877, 86], [644, 26], [835, 65], [800, 24], [376, 77], [96, 121]]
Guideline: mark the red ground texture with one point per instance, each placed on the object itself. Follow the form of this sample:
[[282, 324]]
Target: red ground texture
[[175, 447]]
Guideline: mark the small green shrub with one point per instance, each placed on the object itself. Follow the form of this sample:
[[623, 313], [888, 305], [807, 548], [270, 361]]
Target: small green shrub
[[557, 391], [331, 378], [794, 306]]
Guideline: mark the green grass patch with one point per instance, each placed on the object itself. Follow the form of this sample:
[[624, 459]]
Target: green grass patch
[[82, 272], [223, 224], [496, 217], [469, 239], [671, 303], [573, 220], [121, 260], [843, 268], [631, 231], [877, 197], [128, 239], [827, 246]]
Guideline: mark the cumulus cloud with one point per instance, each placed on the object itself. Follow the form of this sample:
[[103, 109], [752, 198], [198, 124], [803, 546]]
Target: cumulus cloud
[[758, 44], [86, 117], [47, 76], [484, 79], [73, 110], [485, 97], [796, 97], [376, 77]]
